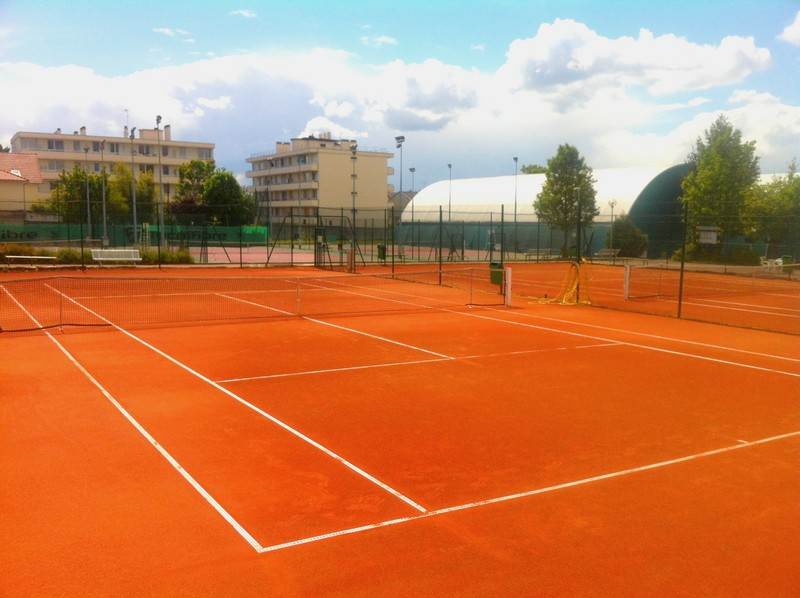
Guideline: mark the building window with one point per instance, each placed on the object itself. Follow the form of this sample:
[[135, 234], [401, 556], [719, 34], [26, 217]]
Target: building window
[[144, 150], [115, 148], [56, 145], [55, 165], [164, 150], [165, 170], [181, 152], [204, 153], [32, 144]]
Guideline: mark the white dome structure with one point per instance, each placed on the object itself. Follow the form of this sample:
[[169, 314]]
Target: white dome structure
[[474, 199]]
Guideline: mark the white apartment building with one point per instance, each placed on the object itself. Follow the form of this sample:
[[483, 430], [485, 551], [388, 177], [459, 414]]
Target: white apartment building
[[309, 175], [144, 150]]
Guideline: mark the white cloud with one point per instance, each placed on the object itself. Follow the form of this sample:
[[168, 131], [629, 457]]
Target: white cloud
[[219, 103], [319, 125], [623, 102], [377, 41], [247, 14], [566, 53], [791, 34], [169, 32]]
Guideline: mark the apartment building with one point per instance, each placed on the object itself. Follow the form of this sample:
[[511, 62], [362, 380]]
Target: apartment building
[[144, 150], [19, 184], [308, 176]]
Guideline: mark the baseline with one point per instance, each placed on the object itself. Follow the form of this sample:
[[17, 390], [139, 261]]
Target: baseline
[[519, 495]]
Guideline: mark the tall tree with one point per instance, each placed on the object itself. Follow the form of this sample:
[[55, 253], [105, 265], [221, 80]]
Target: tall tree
[[772, 211], [226, 201], [568, 189], [192, 177], [724, 168]]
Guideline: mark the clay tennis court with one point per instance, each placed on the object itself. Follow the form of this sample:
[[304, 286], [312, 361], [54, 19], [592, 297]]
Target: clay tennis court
[[532, 449]]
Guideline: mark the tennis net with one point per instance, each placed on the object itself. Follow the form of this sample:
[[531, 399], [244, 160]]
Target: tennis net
[[708, 280], [65, 301]]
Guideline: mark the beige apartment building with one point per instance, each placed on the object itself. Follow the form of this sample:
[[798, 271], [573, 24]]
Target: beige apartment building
[[315, 176], [143, 149]]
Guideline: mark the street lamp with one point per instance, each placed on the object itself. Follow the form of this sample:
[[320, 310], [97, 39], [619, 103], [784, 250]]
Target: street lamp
[[449, 190], [612, 203], [578, 227], [515, 204], [103, 182], [354, 159], [88, 206], [133, 194], [412, 170], [400, 139], [160, 187]]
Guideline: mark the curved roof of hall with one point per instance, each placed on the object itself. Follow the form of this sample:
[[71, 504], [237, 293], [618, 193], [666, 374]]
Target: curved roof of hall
[[475, 199]]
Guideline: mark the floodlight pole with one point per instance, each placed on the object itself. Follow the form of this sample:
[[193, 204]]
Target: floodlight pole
[[88, 205], [515, 205], [412, 170], [161, 230], [133, 194], [612, 203], [354, 159], [449, 191], [103, 181]]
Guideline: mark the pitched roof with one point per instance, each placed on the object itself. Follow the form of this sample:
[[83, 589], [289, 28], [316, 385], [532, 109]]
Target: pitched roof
[[26, 164], [10, 176]]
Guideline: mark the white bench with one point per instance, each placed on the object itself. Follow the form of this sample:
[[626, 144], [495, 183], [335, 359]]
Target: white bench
[[607, 252], [116, 255], [537, 254]]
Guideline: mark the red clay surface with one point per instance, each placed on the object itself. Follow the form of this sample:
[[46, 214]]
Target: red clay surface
[[535, 449]]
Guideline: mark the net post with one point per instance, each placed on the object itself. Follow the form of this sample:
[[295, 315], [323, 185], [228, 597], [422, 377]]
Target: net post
[[507, 287]]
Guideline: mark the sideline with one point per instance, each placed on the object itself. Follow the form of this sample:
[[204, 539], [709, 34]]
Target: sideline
[[256, 409]]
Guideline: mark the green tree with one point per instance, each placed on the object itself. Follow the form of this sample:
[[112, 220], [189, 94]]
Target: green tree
[[192, 177], [68, 199], [724, 168], [533, 169], [120, 191], [630, 240], [772, 211], [568, 189], [225, 200]]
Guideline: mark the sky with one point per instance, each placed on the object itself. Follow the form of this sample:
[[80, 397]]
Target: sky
[[469, 83]]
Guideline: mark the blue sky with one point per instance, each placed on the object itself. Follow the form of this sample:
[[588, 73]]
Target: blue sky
[[468, 83]]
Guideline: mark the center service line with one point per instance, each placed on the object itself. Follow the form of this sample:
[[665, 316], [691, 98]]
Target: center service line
[[260, 411]]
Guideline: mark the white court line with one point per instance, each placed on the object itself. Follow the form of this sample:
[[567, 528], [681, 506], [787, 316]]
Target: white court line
[[380, 338], [748, 306], [630, 344], [139, 428], [666, 338], [414, 362], [332, 370], [267, 307], [740, 445], [258, 410]]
